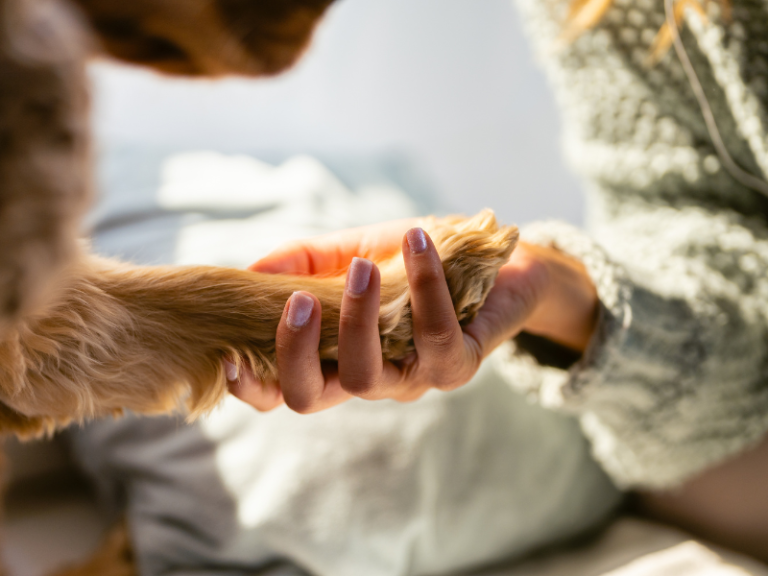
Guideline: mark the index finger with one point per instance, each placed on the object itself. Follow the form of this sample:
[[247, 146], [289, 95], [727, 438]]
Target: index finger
[[437, 334], [333, 253]]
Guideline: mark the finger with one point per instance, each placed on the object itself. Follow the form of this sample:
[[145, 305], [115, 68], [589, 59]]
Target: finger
[[298, 362], [361, 371], [290, 259], [243, 385], [262, 396], [436, 331], [333, 393]]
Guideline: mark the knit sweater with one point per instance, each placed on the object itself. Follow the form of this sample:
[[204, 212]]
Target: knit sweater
[[676, 376]]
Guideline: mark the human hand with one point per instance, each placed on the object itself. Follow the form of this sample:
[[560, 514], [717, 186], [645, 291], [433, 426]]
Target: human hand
[[329, 254], [539, 290]]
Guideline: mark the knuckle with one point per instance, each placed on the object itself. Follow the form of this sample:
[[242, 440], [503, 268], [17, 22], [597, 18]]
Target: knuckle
[[300, 403], [283, 348], [473, 358], [299, 395], [266, 406], [439, 337], [357, 385], [453, 373], [444, 381], [290, 346], [352, 319], [451, 382], [412, 394], [426, 278]]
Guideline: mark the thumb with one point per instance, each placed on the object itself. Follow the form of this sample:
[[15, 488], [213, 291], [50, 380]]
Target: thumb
[[510, 303], [295, 259]]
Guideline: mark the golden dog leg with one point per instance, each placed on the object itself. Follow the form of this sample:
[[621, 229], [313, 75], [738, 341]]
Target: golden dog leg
[[148, 338]]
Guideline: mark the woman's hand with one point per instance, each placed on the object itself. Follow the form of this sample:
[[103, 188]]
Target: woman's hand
[[539, 290]]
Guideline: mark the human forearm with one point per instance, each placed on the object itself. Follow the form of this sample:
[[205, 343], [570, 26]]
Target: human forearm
[[567, 301]]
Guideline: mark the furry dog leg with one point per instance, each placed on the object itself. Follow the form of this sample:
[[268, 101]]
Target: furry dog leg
[[147, 338], [45, 175]]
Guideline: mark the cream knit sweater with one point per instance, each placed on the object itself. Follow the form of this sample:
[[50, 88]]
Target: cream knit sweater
[[676, 378]]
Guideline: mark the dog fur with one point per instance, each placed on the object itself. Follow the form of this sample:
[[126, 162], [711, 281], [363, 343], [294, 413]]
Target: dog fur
[[82, 336]]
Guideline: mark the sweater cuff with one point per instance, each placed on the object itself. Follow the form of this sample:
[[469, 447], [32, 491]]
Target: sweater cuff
[[571, 389], [653, 418]]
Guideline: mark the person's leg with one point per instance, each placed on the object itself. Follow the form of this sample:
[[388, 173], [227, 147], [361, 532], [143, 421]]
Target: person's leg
[[727, 504]]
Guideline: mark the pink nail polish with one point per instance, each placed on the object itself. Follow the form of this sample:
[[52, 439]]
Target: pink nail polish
[[359, 276], [299, 310], [417, 240]]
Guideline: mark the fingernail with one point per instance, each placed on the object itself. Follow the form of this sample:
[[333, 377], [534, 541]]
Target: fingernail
[[299, 310], [231, 370], [359, 276], [417, 240]]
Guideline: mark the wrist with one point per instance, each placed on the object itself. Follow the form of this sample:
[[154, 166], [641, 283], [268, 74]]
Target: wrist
[[567, 303]]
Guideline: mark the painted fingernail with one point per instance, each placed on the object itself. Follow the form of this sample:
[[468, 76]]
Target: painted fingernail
[[359, 276], [300, 310], [231, 370], [417, 240]]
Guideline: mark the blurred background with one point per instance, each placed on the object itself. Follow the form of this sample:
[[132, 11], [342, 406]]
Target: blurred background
[[449, 85]]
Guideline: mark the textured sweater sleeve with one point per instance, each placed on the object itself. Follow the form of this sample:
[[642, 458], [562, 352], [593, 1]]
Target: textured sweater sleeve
[[676, 376]]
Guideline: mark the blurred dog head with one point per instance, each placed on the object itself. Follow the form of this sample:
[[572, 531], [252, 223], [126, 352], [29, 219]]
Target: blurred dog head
[[206, 37], [45, 168]]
